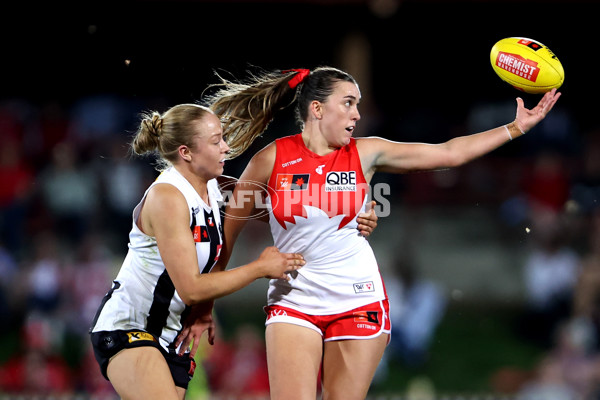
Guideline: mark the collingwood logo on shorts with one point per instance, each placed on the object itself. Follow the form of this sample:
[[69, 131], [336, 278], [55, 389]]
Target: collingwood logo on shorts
[[340, 181]]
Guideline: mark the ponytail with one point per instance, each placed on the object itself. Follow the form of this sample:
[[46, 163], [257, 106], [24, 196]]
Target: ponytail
[[247, 108]]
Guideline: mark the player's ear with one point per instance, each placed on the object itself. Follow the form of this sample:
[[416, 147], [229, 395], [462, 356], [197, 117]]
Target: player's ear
[[184, 153], [316, 109]]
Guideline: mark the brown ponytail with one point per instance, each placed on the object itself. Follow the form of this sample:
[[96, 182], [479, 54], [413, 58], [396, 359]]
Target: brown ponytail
[[246, 109]]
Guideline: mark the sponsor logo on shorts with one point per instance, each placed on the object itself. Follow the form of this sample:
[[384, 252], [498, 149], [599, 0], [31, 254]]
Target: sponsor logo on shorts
[[366, 326], [277, 313], [367, 316], [192, 368], [363, 287], [137, 336]]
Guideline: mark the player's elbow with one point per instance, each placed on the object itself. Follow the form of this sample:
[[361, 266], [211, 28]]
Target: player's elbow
[[456, 160], [188, 297], [455, 153], [192, 294], [193, 298], [450, 158]]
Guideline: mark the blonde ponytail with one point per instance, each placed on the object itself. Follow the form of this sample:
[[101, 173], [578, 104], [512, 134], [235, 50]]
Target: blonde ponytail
[[246, 109]]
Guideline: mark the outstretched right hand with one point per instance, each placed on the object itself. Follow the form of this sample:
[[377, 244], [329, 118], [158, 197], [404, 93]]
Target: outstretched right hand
[[277, 265], [527, 119]]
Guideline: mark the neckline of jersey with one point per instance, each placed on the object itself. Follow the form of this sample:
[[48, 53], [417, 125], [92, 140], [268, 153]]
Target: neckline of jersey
[[311, 153]]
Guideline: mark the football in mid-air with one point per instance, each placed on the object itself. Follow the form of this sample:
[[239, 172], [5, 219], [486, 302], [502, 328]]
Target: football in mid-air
[[527, 65]]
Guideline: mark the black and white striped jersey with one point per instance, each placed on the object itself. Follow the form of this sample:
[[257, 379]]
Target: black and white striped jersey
[[143, 295]]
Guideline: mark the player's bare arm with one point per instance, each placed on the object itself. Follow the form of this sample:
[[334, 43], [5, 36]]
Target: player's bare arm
[[378, 154]]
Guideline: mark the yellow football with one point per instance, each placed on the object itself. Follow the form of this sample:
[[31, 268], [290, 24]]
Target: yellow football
[[527, 65]]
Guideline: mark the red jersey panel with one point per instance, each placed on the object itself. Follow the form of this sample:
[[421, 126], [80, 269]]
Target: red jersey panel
[[333, 183], [314, 201]]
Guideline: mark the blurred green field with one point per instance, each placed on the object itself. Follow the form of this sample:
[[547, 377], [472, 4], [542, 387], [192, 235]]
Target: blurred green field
[[471, 344]]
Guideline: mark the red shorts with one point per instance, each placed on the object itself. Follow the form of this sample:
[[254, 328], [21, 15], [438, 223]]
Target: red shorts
[[366, 322]]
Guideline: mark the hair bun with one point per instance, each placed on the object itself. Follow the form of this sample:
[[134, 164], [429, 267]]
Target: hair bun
[[154, 124]]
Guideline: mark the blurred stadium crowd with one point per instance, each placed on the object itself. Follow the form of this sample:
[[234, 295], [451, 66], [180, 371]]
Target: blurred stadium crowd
[[69, 186]]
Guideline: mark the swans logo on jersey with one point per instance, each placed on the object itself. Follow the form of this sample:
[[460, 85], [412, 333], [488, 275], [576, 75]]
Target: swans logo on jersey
[[292, 181], [363, 287], [319, 169], [135, 336], [340, 181], [201, 234]]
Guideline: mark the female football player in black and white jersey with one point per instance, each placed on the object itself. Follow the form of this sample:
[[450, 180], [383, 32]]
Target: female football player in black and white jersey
[[176, 238]]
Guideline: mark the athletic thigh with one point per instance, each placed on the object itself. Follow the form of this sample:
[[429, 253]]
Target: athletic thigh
[[142, 373], [294, 356], [349, 367]]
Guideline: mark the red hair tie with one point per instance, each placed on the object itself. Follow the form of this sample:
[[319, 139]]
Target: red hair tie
[[298, 78]]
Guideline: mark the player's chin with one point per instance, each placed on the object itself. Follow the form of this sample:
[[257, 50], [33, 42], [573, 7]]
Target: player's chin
[[345, 141], [217, 172]]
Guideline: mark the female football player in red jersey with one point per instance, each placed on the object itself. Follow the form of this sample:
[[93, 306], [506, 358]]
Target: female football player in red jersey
[[332, 315]]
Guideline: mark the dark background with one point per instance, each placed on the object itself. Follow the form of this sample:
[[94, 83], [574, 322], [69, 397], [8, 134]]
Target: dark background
[[428, 61], [424, 75], [428, 52]]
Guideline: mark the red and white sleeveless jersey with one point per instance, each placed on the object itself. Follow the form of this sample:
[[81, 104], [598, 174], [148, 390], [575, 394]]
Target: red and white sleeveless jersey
[[313, 202]]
